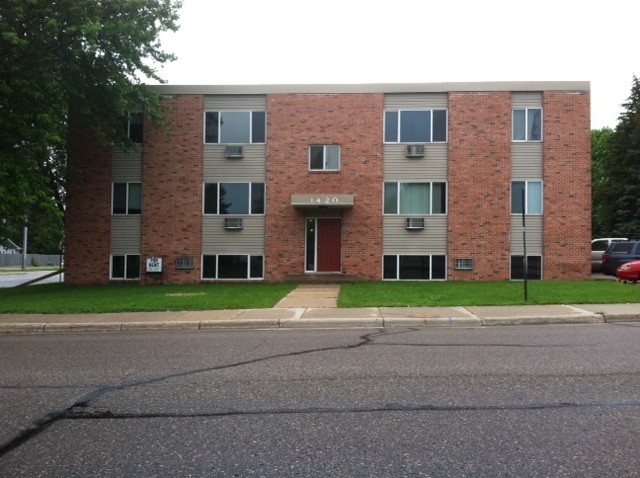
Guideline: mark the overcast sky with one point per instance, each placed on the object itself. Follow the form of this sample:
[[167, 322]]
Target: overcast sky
[[415, 41]]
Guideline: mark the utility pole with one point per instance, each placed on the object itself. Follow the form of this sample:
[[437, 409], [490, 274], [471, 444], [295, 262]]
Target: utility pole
[[525, 266]]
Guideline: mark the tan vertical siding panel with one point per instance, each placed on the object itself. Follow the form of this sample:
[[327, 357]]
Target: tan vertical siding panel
[[218, 240], [534, 235], [126, 234], [430, 240], [126, 166], [251, 167], [526, 160]]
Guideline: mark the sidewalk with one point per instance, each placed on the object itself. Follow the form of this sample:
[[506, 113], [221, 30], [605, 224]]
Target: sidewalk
[[315, 307]]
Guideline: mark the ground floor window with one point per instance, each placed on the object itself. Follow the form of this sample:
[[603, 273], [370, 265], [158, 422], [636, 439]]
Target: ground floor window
[[534, 267], [126, 267], [414, 267], [232, 266]]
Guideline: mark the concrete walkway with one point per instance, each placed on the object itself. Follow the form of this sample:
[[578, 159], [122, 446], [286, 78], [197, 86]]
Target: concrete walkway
[[311, 295]]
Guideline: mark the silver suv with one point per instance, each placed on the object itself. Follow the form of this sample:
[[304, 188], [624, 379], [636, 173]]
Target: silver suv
[[598, 246]]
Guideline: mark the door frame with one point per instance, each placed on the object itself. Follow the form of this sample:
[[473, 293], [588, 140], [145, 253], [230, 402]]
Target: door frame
[[312, 236]]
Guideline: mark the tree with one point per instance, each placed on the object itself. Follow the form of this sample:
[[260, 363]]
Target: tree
[[91, 56], [600, 183], [621, 200]]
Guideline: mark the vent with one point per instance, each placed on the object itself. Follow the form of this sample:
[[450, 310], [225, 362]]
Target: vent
[[184, 262], [415, 223], [233, 152], [415, 151], [464, 264], [233, 223]]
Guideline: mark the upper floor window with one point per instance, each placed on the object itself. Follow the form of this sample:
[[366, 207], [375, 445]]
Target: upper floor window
[[415, 198], [127, 198], [134, 127], [415, 126], [235, 127], [324, 157], [234, 198], [531, 191], [527, 124]]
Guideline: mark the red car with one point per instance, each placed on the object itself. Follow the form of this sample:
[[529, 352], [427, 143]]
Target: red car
[[629, 271]]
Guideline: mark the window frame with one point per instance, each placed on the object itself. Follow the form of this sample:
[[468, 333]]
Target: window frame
[[250, 203], [398, 258], [324, 158], [518, 258], [251, 259], [398, 133], [251, 126], [126, 267], [527, 197], [139, 137], [527, 119], [431, 197], [127, 199]]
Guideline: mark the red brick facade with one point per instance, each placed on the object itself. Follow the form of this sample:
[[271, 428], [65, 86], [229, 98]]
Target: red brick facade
[[479, 184], [354, 121], [567, 185], [478, 175], [88, 212], [172, 177]]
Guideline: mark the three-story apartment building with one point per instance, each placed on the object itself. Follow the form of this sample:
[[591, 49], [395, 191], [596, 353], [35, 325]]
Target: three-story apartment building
[[372, 182]]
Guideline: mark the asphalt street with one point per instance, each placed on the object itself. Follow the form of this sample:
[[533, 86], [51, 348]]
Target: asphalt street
[[494, 401]]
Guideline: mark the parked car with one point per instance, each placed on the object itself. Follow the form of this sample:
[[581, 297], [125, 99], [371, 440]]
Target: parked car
[[629, 271], [598, 246], [619, 253]]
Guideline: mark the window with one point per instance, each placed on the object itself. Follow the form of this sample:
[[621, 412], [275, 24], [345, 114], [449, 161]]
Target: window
[[126, 267], [230, 127], [534, 267], [324, 157], [464, 264], [134, 127], [414, 267], [234, 198], [232, 267], [415, 198], [532, 191], [415, 126], [527, 124], [127, 198]]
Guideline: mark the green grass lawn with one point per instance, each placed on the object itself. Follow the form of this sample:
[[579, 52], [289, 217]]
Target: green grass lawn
[[415, 294], [60, 298]]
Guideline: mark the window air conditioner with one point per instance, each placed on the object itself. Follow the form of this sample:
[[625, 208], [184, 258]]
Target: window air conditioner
[[415, 151], [415, 223], [233, 223], [233, 152]]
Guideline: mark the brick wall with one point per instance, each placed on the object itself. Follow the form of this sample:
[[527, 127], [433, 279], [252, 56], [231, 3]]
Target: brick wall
[[172, 176], [567, 185], [88, 209], [354, 121], [479, 184]]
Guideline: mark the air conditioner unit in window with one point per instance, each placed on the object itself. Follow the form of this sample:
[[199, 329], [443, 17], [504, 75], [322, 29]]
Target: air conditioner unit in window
[[415, 151], [233, 152], [233, 223], [415, 223]]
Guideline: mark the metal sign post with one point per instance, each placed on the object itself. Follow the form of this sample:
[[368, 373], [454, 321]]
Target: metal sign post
[[524, 246]]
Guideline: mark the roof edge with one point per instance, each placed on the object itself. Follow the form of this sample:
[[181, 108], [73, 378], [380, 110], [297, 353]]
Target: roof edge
[[444, 87]]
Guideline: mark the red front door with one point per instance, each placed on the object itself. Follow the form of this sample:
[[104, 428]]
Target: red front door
[[329, 245]]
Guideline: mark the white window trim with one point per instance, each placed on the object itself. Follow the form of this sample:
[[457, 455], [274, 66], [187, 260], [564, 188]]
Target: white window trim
[[526, 124], [430, 213], [324, 159], [399, 111], [526, 196], [220, 112], [217, 256], [125, 267], [250, 183]]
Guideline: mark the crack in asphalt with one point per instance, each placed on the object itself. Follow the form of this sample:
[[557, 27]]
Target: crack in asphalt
[[83, 401], [80, 409]]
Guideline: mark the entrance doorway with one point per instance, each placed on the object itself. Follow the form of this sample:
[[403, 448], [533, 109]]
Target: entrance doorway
[[323, 244]]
